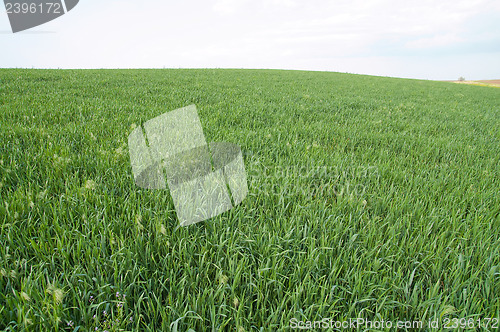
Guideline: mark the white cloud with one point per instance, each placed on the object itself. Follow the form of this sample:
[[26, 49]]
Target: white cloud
[[283, 3], [434, 41], [227, 7]]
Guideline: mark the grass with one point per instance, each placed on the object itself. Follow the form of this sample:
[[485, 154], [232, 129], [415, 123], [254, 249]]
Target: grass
[[369, 197]]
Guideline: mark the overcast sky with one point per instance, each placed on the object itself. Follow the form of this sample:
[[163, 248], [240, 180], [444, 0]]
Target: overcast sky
[[415, 39]]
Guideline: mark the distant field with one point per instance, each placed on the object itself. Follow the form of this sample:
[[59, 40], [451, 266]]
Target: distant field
[[495, 82], [490, 83], [369, 197]]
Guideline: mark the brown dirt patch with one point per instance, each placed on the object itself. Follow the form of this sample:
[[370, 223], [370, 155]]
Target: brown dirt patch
[[491, 83]]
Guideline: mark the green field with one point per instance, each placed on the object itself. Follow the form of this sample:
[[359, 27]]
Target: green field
[[369, 197]]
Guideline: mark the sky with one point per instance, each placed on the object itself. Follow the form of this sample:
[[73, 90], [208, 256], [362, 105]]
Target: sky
[[436, 40]]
